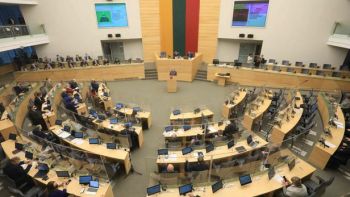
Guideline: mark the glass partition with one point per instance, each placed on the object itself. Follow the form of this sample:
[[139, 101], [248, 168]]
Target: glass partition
[[20, 30]]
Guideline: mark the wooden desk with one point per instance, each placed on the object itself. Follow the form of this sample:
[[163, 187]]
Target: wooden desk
[[171, 85], [73, 187], [250, 119], [98, 149], [269, 78], [7, 127], [261, 185], [219, 153], [110, 72], [193, 118], [186, 68], [120, 127], [279, 133], [82, 109], [320, 155], [237, 101], [106, 100], [193, 132], [144, 116], [222, 79]]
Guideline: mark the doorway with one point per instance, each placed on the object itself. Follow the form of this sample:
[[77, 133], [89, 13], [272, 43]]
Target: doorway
[[113, 50], [246, 48]]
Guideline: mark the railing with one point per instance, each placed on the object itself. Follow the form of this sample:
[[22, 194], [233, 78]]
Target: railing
[[20, 30]]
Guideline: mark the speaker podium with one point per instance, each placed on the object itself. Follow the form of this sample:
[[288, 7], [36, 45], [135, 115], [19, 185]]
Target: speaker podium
[[172, 84]]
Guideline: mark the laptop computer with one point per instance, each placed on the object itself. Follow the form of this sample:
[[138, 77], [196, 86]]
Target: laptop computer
[[176, 112], [111, 146], [163, 151], [58, 122], [186, 150], [186, 127], [66, 128], [93, 187], [251, 142], [19, 147], [230, 144], [84, 180], [101, 117], [168, 128], [119, 105], [209, 148], [28, 155], [271, 172], [240, 149], [63, 174], [245, 179], [94, 141], [153, 190], [43, 169], [184, 189], [113, 121], [216, 186], [79, 135], [12, 136], [196, 111], [136, 109]]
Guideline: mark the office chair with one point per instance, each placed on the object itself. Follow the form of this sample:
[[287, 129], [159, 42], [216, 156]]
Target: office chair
[[273, 61], [313, 65], [32, 192], [299, 64], [285, 62], [318, 186]]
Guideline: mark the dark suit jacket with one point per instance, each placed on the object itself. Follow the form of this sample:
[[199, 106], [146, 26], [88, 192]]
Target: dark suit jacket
[[16, 172], [59, 193]]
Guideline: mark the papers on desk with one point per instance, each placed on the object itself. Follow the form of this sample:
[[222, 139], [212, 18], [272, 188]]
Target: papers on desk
[[24, 166], [338, 124], [278, 178], [168, 134], [172, 157], [64, 134], [77, 141], [212, 129], [329, 144]]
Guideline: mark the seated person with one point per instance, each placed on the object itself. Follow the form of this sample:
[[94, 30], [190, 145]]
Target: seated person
[[94, 86], [95, 62], [53, 191], [14, 171], [36, 117], [105, 61], [38, 100], [20, 88], [196, 141], [230, 129], [37, 131], [200, 165], [169, 169], [70, 104], [73, 84], [296, 189], [69, 90]]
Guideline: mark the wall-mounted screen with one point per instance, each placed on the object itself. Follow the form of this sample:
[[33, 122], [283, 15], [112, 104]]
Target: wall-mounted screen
[[250, 13], [111, 15]]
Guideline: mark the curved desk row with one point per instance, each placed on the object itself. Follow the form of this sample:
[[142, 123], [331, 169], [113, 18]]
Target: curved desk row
[[287, 124], [261, 185], [97, 149], [144, 116], [308, 70], [73, 187], [233, 103], [252, 77], [99, 73], [191, 117], [320, 154]]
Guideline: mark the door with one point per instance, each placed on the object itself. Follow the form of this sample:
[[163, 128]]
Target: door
[[113, 50], [244, 50]]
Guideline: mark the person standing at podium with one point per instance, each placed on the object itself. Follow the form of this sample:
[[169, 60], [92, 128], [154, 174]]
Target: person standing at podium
[[172, 73]]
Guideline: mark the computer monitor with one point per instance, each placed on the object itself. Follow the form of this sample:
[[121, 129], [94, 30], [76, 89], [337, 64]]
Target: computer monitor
[[106, 94], [153, 190], [184, 189], [327, 66], [186, 127], [128, 125], [209, 148], [176, 112], [19, 146], [113, 121], [163, 151], [28, 155], [285, 62], [101, 117], [313, 65], [168, 128], [63, 174], [94, 141], [111, 146], [58, 122], [245, 179], [271, 172], [299, 64], [66, 128], [94, 184], [43, 167], [119, 105], [230, 144], [216, 61], [186, 150], [136, 109], [291, 164], [196, 111], [78, 134], [12, 136], [216, 186], [85, 180], [249, 139]]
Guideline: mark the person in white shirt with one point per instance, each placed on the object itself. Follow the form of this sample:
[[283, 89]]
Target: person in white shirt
[[296, 189], [250, 59]]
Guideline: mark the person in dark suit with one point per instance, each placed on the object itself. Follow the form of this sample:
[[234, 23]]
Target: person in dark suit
[[53, 191], [36, 117], [19, 175], [73, 84], [94, 86], [38, 100], [200, 165], [230, 129]]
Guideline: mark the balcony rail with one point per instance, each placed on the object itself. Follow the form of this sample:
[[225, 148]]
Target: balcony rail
[[12, 31]]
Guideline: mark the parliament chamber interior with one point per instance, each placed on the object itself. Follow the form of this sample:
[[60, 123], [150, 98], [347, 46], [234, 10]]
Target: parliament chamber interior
[[167, 98]]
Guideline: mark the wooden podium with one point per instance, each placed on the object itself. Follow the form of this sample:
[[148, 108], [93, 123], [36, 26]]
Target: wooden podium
[[172, 84]]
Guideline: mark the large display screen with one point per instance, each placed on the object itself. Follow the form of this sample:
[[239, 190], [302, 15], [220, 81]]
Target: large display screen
[[250, 13], [111, 15]]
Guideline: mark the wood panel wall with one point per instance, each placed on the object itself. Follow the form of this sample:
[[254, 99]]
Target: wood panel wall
[[150, 27], [108, 73], [208, 28], [6, 69]]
